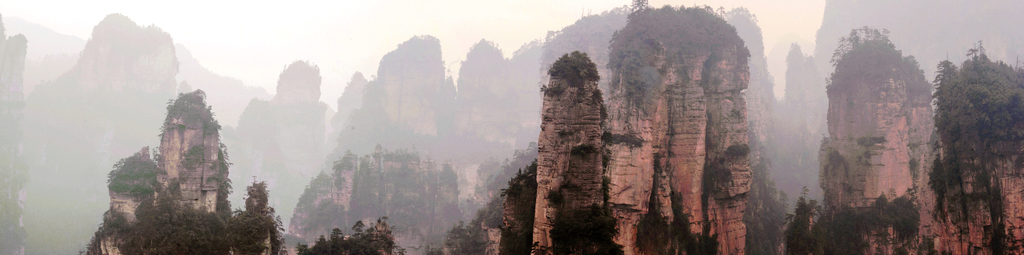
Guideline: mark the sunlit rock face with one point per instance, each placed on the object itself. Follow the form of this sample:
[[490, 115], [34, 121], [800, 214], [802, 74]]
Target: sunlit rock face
[[569, 157], [122, 55], [13, 170], [880, 126], [677, 128]]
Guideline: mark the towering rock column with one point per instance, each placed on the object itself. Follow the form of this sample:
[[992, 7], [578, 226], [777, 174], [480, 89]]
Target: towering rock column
[[880, 124], [677, 132], [570, 151], [191, 153]]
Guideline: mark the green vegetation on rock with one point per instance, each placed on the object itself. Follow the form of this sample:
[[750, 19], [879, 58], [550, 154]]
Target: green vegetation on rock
[[980, 110], [135, 176]]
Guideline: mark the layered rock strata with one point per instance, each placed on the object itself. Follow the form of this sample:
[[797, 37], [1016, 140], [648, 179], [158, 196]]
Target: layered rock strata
[[191, 154], [677, 128], [569, 157], [977, 181], [880, 125], [191, 167]]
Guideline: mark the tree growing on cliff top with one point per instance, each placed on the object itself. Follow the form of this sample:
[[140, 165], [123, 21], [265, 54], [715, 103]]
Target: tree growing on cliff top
[[980, 112], [375, 240], [576, 68], [867, 56], [677, 35], [256, 229], [799, 237]]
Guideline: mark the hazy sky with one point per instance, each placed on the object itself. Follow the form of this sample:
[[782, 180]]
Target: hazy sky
[[254, 40]]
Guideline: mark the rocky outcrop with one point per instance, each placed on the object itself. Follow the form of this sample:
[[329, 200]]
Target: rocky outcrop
[[282, 141], [413, 89], [570, 154], [489, 83], [13, 170], [122, 55], [977, 182], [677, 131], [349, 101], [298, 83], [409, 103], [880, 124], [191, 155], [518, 210], [191, 168], [766, 208]]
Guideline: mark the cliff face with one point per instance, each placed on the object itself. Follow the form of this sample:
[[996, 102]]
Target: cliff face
[[976, 180], [518, 210], [282, 141], [122, 55], [13, 170], [191, 168], [410, 102], [880, 124], [766, 208], [415, 98], [489, 83], [678, 129], [191, 154], [569, 157]]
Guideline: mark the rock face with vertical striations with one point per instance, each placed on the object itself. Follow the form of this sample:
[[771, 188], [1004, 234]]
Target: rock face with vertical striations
[[191, 169], [13, 170], [677, 132], [570, 154], [766, 208], [880, 124], [977, 182], [191, 154]]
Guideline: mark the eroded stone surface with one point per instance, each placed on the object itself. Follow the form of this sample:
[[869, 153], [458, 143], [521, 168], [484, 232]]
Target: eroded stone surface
[[569, 157], [667, 144]]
